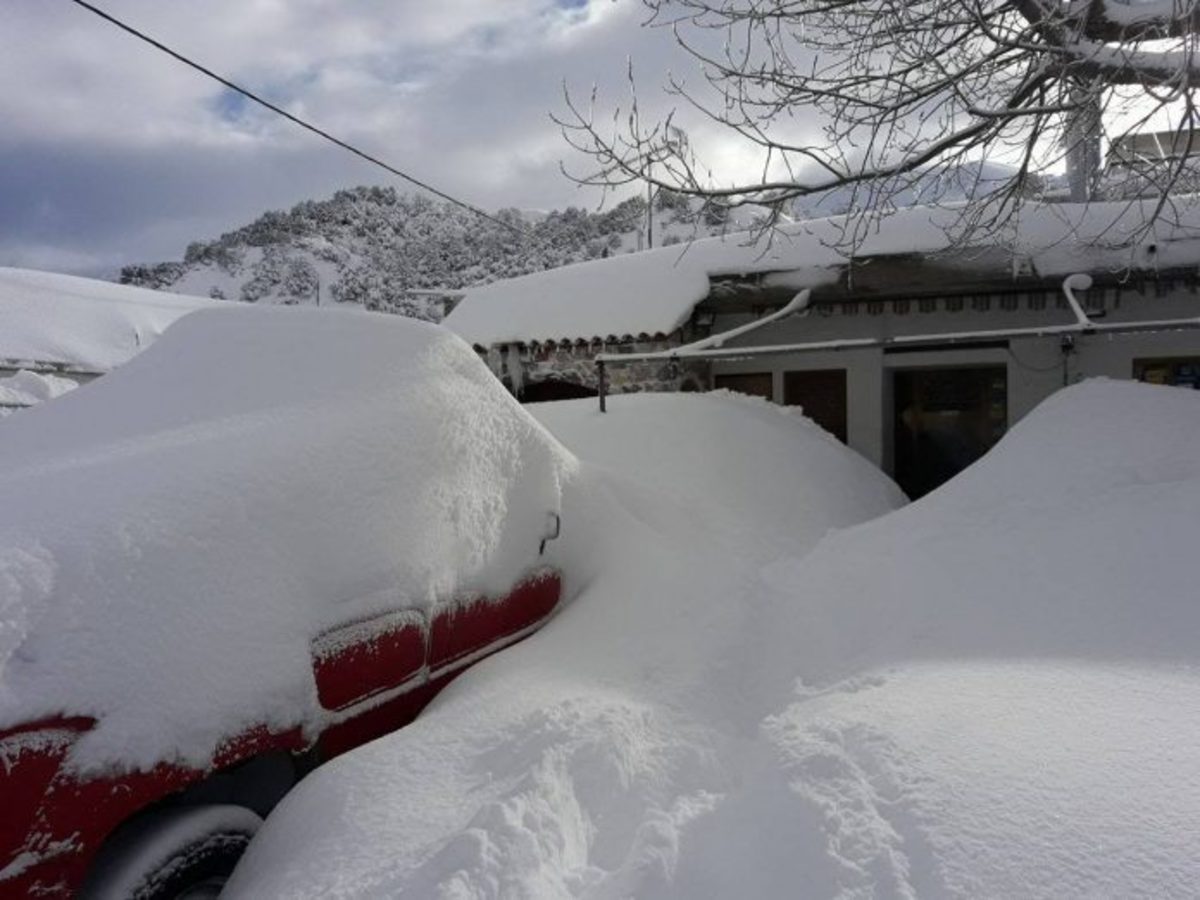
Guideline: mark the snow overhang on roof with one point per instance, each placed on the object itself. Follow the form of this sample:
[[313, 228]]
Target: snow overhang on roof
[[63, 323], [654, 292]]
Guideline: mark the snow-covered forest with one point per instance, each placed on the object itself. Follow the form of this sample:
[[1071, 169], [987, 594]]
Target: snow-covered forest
[[374, 246]]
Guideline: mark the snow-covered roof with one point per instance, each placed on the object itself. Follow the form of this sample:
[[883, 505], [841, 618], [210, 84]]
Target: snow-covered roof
[[80, 323], [654, 292]]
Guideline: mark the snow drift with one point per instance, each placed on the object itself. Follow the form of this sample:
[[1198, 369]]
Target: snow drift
[[173, 535], [991, 692], [574, 761]]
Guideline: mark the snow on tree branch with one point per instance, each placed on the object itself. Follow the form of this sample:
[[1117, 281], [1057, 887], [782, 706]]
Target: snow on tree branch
[[888, 101]]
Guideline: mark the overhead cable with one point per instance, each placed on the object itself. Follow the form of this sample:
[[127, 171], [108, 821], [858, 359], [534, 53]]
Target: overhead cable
[[250, 95]]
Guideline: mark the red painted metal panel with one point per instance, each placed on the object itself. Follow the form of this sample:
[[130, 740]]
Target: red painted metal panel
[[74, 815], [82, 814], [30, 758], [377, 721], [471, 627], [361, 660]]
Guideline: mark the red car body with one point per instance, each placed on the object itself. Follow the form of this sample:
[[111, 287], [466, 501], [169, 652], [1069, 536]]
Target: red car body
[[371, 677]]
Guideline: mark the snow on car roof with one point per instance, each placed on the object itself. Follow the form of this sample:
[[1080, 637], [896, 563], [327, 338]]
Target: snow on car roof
[[81, 323], [654, 292], [173, 535]]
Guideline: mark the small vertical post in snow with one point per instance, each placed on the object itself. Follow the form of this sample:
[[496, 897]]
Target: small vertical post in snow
[[1067, 345], [602, 383], [649, 216]]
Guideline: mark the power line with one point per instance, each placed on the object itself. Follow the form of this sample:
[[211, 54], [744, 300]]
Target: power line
[[250, 95]]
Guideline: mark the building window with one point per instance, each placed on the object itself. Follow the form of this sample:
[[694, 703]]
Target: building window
[[1182, 371]]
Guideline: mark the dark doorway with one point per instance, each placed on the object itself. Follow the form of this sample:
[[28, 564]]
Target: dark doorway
[[555, 389], [756, 384], [821, 393], [944, 420]]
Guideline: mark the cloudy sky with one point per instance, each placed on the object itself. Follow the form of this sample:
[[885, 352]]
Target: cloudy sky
[[111, 152]]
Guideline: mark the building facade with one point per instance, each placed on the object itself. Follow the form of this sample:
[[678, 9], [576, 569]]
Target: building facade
[[924, 410], [917, 350]]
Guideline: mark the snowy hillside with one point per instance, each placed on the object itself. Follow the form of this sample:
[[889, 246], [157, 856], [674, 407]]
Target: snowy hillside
[[374, 247], [989, 693]]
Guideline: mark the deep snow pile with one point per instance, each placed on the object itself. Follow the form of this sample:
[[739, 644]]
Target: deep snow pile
[[81, 323], [170, 542], [574, 761], [991, 692]]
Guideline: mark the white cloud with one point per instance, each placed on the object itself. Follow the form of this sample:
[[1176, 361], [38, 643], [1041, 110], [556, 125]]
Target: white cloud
[[123, 149]]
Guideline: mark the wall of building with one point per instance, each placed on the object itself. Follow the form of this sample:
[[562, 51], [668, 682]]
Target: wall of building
[[1035, 367]]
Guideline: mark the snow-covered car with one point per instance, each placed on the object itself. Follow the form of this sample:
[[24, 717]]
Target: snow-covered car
[[270, 538]]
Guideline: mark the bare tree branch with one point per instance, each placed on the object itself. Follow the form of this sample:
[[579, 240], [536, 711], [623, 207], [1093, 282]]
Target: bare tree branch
[[899, 95]]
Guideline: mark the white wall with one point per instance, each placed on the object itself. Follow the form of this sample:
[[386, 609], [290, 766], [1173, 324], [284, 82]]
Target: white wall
[[1034, 366]]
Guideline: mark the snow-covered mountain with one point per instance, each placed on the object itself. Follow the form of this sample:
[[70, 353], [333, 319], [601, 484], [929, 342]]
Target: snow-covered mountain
[[380, 249]]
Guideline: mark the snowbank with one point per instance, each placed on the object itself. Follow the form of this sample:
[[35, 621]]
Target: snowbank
[[81, 323], [990, 692], [749, 472], [654, 292], [572, 762], [170, 543]]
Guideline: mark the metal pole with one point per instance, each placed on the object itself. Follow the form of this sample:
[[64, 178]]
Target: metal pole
[[649, 216], [602, 382]]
